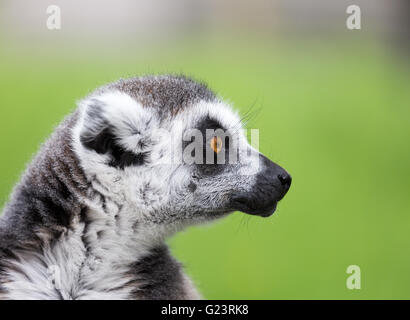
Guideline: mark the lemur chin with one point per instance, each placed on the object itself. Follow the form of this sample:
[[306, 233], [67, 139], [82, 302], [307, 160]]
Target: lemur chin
[[89, 218]]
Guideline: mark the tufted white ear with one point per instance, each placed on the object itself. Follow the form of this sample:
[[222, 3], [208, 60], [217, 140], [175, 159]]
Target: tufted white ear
[[115, 124]]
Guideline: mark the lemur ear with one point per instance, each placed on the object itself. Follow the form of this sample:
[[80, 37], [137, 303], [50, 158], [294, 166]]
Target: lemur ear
[[112, 125], [96, 133]]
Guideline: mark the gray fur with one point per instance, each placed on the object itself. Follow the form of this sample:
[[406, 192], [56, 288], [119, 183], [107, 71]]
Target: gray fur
[[96, 203], [48, 201], [168, 94]]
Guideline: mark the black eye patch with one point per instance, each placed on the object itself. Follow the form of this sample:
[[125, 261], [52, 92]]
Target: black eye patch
[[213, 145]]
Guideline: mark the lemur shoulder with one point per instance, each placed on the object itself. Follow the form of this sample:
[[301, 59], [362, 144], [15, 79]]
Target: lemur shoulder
[[103, 193]]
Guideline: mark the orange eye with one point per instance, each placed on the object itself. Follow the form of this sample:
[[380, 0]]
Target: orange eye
[[216, 144]]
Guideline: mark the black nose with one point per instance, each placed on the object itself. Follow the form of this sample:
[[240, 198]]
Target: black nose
[[271, 185], [275, 176], [285, 179]]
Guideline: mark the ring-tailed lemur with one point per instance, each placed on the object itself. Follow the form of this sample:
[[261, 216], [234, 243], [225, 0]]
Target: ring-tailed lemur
[[92, 210]]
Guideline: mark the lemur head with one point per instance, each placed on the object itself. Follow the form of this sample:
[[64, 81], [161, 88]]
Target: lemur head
[[173, 153]]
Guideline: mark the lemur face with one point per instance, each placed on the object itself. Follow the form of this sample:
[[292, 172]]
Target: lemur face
[[172, 153]]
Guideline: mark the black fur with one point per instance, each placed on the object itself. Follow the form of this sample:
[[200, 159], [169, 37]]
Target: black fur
[[160, 275]]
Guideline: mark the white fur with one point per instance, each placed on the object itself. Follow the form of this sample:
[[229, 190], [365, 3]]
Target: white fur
[[102, 268], [94, 273]]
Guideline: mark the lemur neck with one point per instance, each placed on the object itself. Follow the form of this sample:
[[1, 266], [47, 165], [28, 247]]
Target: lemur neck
[[101, 256], [59, 226], [102, 252]]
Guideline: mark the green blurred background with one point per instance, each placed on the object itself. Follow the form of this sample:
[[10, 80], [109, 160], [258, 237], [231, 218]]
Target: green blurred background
[[333, 110]]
